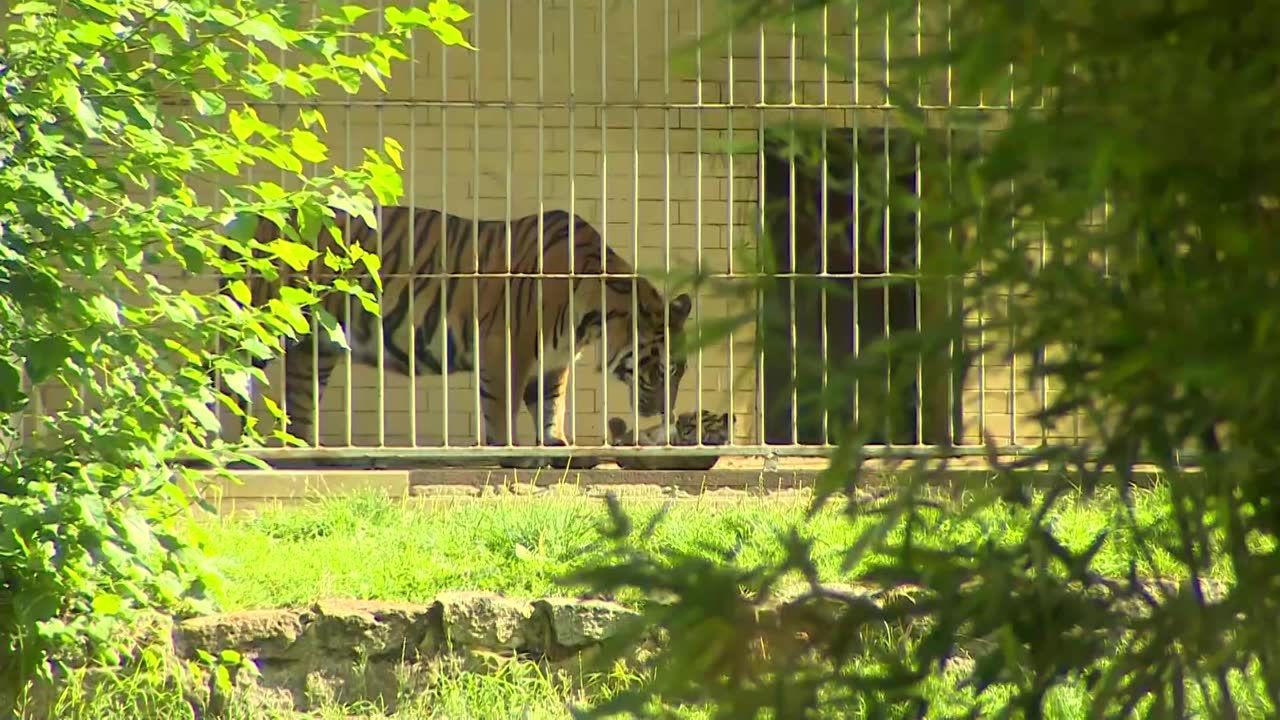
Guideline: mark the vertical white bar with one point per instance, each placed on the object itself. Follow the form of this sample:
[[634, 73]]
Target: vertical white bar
[[666, 212], [509, 352], [886, 249], [604, 214], [541, 226], [794, 266], [919, 250], [447, 273], [381, 238], [635, 217], [1044, 379], [857, 208], [412, 241], [824, 230], [697, 215], [477, 404], [1013, 357], [315, 348], [762, 222], [349, 431], [982, 344], [571, 405], [954, 395], [729, 223]]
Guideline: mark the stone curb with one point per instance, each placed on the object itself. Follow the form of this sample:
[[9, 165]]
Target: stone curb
[[348, 651]]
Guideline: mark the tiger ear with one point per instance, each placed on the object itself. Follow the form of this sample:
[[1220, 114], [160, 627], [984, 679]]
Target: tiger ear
[[680, 308], [617, 430]]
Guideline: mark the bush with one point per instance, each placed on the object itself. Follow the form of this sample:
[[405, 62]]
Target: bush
[[108, 110]]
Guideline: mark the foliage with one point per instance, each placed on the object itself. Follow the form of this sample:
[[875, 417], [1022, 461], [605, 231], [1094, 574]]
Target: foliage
[[1154, 326], [109, 111]]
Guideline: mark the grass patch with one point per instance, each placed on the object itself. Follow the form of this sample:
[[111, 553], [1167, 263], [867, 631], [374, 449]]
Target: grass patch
[[369, 546]]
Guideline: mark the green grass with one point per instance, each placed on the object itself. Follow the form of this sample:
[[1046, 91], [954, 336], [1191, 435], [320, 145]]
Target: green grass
[[373, 547], [515, 690]]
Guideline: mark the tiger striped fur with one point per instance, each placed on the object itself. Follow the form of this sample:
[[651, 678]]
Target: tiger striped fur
[[435, 265]]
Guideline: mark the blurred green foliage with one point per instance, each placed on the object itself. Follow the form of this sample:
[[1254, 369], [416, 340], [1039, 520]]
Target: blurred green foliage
[[1118, 226], [108, 112]]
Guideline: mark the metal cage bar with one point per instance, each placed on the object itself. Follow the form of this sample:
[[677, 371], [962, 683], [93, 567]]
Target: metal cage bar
[[669, 117]]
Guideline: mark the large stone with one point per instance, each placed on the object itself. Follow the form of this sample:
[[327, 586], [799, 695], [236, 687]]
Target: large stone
[[359, 628], [486, 621], [253, 633], [580, 623]]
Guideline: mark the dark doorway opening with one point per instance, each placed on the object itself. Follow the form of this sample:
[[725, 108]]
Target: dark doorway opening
[[859, 308]]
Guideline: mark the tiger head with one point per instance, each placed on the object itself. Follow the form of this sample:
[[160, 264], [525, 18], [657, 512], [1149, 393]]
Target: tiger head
[[646, 359]]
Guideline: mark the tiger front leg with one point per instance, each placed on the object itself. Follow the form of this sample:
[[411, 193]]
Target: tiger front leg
[[499, 407], [548, 416]]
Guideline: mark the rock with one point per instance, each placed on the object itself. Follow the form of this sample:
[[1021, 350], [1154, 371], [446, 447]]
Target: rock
[[486, 620], [352, 628], [579, 623], [253, 633]]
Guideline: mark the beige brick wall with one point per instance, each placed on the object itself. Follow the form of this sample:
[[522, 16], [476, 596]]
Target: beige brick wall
[[627, 157]]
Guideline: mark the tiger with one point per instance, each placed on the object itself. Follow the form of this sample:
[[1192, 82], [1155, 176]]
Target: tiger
[[684, 431], [436, 265]]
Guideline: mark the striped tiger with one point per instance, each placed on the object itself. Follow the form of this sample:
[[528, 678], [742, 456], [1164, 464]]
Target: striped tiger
[[435, 265]]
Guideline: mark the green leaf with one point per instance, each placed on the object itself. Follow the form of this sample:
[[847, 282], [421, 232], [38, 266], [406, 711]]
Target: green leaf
[[34, 8], [92, 33], [394, 150], [396, 17], [308, 147], [80, 108], [296, 255], [281, 157], [446, 10], [354, 12], [290, 314], [179, 25], [265, 28], [46, 181], [208, 103], [46, 355], [450, 35], [162, 44], [245, 123], [332, 329], [107, 604], [227, 159], [104, 309], [203, 415], [373, 264], [12, 398], [313, 116], [238, 382], [385, 182], [298, 297], [240, 291]]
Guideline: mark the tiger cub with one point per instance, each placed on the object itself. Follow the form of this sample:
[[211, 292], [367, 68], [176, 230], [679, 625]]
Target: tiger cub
[[715, 431]]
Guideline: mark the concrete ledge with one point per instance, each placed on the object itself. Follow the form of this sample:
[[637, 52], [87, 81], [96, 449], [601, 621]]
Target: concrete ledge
[[289, 487]]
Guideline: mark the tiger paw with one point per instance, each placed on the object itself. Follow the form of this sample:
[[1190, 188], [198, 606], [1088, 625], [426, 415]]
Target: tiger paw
[[574, 462]]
